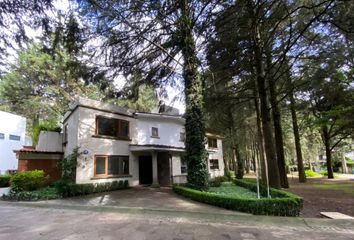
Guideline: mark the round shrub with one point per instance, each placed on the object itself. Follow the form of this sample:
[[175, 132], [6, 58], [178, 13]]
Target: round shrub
[[310, 173], [29, 180], [5, 180]]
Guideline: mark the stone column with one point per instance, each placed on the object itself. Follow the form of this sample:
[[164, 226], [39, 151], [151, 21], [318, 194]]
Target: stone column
[[155, 181]]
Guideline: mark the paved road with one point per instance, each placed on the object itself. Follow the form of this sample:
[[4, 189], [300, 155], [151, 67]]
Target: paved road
[[44, 221]]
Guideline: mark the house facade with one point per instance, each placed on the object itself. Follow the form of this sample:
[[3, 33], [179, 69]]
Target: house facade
[[143, 148], [12, 137]]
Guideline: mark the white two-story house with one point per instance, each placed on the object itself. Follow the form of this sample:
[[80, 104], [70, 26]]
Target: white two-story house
[[144, 148]]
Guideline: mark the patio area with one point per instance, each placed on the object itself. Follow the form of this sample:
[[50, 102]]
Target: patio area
[[143, 198]]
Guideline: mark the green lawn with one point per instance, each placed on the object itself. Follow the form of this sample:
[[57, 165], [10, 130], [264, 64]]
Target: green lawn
[[231, 189]]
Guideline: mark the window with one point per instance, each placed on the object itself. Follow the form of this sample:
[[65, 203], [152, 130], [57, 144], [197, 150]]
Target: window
[[65, 133], [112, 127], [214, 164], [2, 136], [111, 165], [183, 165], [182, 136], [212, 143], [154, 132], [15, 137]]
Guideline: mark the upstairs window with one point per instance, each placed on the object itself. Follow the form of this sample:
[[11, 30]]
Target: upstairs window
[[214, 164], [2, 136], [154, 132], [212, 143], [65, 133], [15, 138], [182, 136], [112, 127]]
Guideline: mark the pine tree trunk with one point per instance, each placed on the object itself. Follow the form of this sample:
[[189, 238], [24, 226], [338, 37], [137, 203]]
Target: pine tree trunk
[[240, 164], [300, 163], [273, 170], [196, 154], [278, 132], [278, 135], [262, 155], [326, 141]]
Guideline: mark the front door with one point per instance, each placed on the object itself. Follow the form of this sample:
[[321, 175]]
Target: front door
[[145, 170]]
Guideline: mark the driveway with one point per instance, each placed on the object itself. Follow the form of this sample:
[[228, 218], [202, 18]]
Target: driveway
[[142, 198], [22, 223]]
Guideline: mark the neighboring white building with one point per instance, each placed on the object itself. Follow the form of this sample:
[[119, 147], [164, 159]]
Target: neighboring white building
[[12, 137], [144, 148]]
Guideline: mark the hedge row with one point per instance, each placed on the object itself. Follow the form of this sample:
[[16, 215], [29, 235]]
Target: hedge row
[[69, 189], [281, 204], [62, 189]]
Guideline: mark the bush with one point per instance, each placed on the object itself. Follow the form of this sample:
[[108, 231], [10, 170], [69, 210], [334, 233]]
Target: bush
[[28, 181], [68, 165], [5, 180], [310, 173], [281, 203], [67, 188], [228, 175], [216, 182], [44, 126]]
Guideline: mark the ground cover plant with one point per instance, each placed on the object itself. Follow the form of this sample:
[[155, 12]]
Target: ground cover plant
[[230, 189]]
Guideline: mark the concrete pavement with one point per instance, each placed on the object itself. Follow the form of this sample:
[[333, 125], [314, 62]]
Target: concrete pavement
[[51, 221]]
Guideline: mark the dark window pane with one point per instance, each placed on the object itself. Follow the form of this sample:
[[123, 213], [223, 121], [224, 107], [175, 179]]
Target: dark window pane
[[124, 165], [113, 165], [107, 126], [182, 136], [212, 143], [214, 163], [124, 128], [66, 133], [2, 136], [183, 166], [100, 165], [15, 138], [154, 132]]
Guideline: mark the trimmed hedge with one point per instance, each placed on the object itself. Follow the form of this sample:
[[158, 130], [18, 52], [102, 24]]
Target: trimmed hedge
[[281, 203], [65, 188], [70, 189]]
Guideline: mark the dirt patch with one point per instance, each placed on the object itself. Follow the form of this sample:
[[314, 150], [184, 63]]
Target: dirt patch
[[324, 195]]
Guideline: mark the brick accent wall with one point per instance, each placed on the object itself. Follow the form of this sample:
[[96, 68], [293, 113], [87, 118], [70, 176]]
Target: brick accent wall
[[49, 166]]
